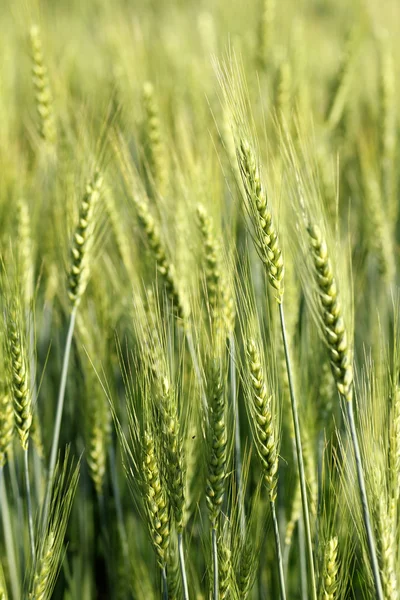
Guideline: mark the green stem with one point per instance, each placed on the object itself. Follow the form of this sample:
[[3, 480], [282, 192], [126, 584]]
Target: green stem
[[300, 461], [215, 563], [364, 503], [278, 550], [182, 567], [9, 540], [164, 583], [61, 394], [29, 504], [302, 558]]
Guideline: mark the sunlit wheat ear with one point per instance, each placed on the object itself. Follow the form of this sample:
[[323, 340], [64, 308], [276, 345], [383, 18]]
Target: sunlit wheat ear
[[217, 442], [164, 267], [263, 422], [19, 374], [50, 546], [225, 575], [99, 435], [43, 95], [331, 311], [82, 241], [25, 253], [155, 500], [156, 156], [6, 424], [388, 115], [221, 301], [343, 80], [173, 452], [394, 443], [388, 551], [265, 31], [260, 213], [330, 572]]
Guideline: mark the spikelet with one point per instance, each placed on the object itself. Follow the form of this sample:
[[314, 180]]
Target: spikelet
[[262, 419], [245, 570], [330, 570], [330, 306], [394, 443], [156, 501], [50, 541], [265, 32], [173, 452], [164, 267], [267, 237], [25, 253], [36, 435], [224, 563], [342, 84], [19, 374], [388, 551], [284, 91], [216, 483], [82, 242], [388, 120], [99, 435], [220, 299], [6, 424], [43, 95], [295, 515], [156, 156]]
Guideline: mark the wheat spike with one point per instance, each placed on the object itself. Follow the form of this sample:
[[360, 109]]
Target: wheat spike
[[263, 423], [334, 327], [156, 155], [267, 237], [156, 501], [43, 95], [217, 443], [82, 241], [330, 570]]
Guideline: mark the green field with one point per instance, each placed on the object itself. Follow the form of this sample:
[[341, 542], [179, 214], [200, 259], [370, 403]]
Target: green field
[[199, 329]]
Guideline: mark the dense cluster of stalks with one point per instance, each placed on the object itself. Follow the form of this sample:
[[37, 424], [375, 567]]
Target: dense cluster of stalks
[[199, 329]]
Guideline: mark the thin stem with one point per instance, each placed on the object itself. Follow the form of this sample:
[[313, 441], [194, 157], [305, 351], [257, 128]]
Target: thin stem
[[29, 504], [278, 550], [302, 558], [299, 453], [61, 394], [215, 563], [364, 503], [164, 583], [182, 567], [9, 540]]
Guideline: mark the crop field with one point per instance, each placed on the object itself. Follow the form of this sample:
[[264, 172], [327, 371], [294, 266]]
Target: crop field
[[199, 325]]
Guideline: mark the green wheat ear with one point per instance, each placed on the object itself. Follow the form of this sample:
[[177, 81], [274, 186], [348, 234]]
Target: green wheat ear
[[43, 95], [6, 424], [154, 146], [155, 500], [257, 204], [216, 478], [331, 309], [82, 241], [330, 573], [19, 374]]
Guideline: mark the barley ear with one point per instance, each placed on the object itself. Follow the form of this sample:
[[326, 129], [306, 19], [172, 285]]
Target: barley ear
[[6, 424]]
